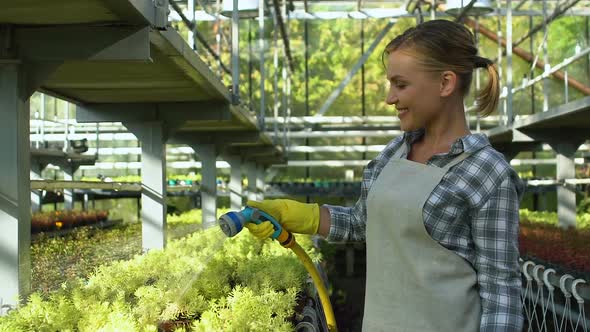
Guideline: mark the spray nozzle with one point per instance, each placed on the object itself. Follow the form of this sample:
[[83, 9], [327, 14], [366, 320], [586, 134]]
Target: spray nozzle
[[233, 222]]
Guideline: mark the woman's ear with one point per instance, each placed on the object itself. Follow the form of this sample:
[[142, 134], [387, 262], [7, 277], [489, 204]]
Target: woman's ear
[[448, 83]]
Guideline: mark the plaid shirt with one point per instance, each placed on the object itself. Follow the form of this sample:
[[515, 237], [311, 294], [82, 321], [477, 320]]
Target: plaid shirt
[[473, 212]]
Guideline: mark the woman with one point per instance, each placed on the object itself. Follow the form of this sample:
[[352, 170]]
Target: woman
[[438, 207]]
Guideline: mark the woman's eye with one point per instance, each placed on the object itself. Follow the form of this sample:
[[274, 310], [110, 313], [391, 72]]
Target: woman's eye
[[400, 86]]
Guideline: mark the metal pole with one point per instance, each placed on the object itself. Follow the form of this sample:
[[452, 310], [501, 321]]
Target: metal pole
[[235, 53], [284, 102], [306, 55], [191, 17], [67, 129], [43, 119], [275, 77], [433, 9], [499, 34], [531, 47], [509, 116], [587, 43], [284, 33], [566, 86], [15, 188], [262, 114], [363, 92], [250, 66], [37, 130], [477, 75], [290, 71], [218, 36], [546, 60], [97, 139], [288, 110]]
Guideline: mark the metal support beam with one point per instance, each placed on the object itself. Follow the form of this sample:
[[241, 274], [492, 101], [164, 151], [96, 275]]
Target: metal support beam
[[62, 43], [355, 69], [220, 139], [153, 176], [260, 171], [85, 202], [208, 154], [565, 144], [508, 110], [69, 171], [161, 13], [235, 54], [371, 119], [235, 181], [262, 113], [566, 195], [251, 152], [546, 65], [250, 65], [251, 175], [267, 150], [275, 83], [343, 133], [36, 195], [15, 190], [172, 113], [336, 148], [306, 73], [193, 28]]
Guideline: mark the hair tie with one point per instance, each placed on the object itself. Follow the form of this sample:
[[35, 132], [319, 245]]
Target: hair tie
[[480, 62]]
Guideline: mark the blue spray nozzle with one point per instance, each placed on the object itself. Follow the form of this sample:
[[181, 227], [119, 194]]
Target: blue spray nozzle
[[233, 222]]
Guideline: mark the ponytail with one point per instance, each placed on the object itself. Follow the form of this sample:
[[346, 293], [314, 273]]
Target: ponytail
[[487, 99]]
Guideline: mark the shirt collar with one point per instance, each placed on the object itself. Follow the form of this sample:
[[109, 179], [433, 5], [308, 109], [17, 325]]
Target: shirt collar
[[468, 143]]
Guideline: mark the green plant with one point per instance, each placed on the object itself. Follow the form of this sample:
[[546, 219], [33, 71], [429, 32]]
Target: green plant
[[584, 206], [203, 279], [248, 310], [550, 218]]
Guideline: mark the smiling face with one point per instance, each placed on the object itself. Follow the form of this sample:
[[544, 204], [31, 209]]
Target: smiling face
[[417, 94]]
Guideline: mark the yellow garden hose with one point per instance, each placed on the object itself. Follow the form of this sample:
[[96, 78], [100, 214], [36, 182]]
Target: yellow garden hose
[[287, 240]]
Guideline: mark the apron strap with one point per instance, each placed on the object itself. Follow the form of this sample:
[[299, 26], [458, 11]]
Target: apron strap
[[402, 149], [457, 160], [398, 154]]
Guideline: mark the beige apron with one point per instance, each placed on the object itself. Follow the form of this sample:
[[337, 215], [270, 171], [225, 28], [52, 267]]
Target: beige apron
[[413, 283]]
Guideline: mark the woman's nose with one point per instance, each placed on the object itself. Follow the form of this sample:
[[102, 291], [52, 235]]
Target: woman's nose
[[391, 99]]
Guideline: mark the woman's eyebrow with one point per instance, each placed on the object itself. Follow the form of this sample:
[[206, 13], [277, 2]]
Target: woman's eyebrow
[[396, 78]]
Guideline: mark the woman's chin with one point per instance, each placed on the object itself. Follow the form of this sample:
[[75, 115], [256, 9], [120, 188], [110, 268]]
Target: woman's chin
[[407, 126]]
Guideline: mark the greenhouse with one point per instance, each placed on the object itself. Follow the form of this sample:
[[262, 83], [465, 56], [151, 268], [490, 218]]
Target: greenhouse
[[415, 165]]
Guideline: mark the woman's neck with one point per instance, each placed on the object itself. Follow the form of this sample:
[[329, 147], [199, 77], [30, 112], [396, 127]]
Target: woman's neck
[[440, 133]]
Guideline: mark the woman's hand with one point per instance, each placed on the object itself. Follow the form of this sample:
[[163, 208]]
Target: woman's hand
[[294, 216]]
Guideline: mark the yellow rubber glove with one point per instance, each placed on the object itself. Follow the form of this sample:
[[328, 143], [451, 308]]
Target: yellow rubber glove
[[295, 217]]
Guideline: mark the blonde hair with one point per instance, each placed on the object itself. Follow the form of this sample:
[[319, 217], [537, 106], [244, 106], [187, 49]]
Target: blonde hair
[[445, 45]]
